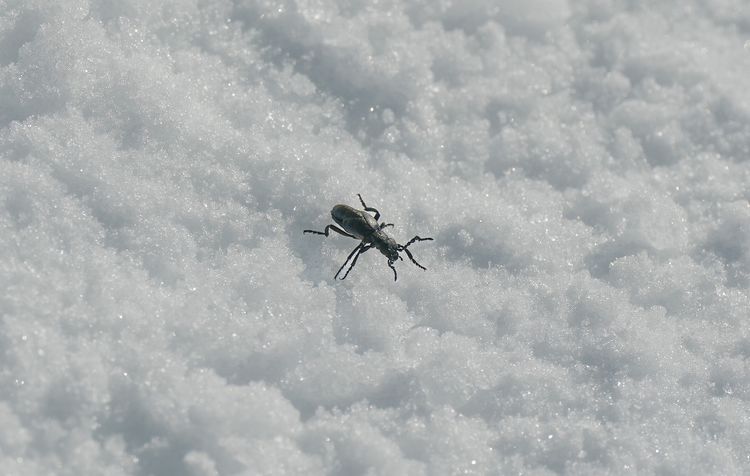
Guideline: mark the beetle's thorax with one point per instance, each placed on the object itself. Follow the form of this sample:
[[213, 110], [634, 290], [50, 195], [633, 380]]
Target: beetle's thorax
[[385, 244]]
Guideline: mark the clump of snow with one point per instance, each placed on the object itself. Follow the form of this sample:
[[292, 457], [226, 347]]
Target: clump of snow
[[582, 167]]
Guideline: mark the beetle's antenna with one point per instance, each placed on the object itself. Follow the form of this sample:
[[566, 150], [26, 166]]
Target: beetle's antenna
[[358, 248], [416, 238], [408, 253], [390, 265]]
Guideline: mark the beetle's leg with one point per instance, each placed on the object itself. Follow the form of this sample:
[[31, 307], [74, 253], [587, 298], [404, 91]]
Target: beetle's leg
[[408, 253], [355, 250], [356, 257], [416, 238], [390, 265], [369, 209], [332, 227], [383, 225]]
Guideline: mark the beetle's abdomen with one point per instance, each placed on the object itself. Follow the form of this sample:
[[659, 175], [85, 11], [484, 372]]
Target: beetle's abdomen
[[340, 213], [353, 221]]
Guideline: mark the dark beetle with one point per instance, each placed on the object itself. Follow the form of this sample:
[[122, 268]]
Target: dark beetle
[[361, 226]]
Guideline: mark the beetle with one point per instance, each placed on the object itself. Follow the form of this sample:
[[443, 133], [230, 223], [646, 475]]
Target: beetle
[[362, 226]]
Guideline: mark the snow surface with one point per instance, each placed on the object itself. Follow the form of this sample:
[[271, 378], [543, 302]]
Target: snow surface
[[582, 165]]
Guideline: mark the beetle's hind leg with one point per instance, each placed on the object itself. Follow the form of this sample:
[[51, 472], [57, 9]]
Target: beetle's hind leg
[[362, 249], [369, 209], [355, 250], [330, 227]]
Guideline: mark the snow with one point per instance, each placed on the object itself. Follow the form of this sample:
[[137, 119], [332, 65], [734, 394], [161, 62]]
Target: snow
[[582, 166]]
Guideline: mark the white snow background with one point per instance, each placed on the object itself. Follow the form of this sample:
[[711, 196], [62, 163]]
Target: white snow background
[[582, 165]]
